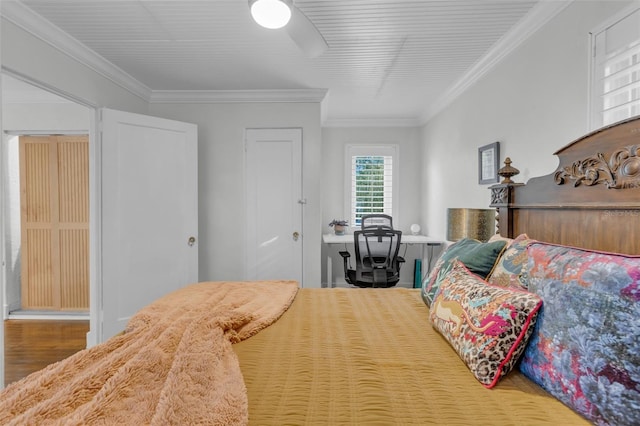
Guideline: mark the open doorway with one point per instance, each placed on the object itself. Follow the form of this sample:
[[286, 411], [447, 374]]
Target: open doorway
[[129, 268], [39, 118], [39, 281]]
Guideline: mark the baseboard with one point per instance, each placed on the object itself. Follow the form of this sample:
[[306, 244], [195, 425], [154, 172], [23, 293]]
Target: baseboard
[[92, 339], [41, 315]]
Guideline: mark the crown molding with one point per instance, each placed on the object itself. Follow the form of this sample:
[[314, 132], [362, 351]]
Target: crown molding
[[237, 96], [537, 17], [372, 122], [25, 18]]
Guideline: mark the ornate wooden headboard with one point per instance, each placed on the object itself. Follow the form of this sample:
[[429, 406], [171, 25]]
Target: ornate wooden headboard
[[592, 200]]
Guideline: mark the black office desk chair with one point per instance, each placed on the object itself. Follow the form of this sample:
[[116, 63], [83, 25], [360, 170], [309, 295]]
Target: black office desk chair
[[376, 219], [377, 260]]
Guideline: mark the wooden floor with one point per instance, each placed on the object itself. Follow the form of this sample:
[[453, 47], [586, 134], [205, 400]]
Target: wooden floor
[[30, 345]]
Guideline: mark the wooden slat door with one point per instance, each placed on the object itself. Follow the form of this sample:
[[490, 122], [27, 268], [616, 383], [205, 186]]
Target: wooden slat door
[[54, 183]]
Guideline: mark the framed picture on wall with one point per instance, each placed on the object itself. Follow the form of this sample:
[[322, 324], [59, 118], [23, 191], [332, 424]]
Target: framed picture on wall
[[488, 159]]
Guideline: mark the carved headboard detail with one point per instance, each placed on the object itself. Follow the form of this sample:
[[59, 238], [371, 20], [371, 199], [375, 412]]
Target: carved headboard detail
[[621, 170], [599, 210]]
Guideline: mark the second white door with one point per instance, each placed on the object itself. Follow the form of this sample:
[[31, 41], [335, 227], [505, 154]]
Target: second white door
[[274, 204]]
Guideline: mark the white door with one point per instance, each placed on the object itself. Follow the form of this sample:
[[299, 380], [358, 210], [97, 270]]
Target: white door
[[149, 213], [274, 204]]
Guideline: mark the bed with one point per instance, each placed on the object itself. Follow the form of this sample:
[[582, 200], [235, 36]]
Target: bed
[[371, 356], [336, 356]]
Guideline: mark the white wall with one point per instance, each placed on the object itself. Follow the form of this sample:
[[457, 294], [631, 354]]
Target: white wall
[[9, 175], [46, 117], [2, 252], [534, 102], [334, 141], [221, 179]]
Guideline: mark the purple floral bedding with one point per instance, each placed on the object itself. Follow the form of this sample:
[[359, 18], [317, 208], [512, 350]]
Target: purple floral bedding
[[585, 349]]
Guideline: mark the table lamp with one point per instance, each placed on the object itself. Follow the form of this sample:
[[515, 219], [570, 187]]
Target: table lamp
[[478, 224]]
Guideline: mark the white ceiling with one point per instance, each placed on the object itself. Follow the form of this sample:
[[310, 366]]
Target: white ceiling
[[387, 60]]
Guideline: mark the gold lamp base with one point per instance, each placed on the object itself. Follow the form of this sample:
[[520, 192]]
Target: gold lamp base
[[478, 224]]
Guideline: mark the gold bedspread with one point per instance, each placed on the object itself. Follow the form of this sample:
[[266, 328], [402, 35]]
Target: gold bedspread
[[371, 357]]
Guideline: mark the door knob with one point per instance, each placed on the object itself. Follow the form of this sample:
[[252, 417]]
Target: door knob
[[296, 234], [191, 241]]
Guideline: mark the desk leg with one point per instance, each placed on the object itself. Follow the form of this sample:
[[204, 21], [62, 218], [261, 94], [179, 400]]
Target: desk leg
[[329, 272], [422, 260], [427, 270]]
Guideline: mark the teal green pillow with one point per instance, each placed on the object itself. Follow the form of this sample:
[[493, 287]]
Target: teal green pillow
[[478, 257]]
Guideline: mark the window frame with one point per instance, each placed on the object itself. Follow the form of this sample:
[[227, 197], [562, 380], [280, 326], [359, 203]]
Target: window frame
[[595, 93], [392, 150]]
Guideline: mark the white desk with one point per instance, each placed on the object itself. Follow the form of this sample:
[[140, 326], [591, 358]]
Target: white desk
[[408, 239]]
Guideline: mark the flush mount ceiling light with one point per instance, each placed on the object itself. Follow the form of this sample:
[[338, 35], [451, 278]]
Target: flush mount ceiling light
[[275, 14], [271, 14]]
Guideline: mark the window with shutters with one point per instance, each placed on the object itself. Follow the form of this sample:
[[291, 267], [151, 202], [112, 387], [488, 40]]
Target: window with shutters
[[616, 69], [371, 176]]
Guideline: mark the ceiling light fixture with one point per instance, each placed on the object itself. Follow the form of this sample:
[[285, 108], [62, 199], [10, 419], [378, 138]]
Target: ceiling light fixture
[[271, 14]]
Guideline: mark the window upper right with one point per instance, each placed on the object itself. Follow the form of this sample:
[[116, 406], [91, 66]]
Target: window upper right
[[615, 69]]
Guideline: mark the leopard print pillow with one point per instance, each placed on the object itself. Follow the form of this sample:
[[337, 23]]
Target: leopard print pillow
[[487, 326]]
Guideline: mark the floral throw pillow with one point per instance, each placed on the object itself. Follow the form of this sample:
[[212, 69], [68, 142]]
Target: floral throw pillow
[[585, 348], [478, 257], [487, 326], [511, 269]]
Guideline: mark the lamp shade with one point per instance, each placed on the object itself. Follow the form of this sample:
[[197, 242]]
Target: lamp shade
[[478, 224], [272, 14]]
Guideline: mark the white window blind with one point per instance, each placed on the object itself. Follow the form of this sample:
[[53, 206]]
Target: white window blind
[[617, 71], [372, 186], [370, 176]]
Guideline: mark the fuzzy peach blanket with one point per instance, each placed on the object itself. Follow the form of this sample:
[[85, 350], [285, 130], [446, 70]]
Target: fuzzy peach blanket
[[173, 365]]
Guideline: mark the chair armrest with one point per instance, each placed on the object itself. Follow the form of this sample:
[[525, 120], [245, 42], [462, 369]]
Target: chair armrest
[[345, 254], [400, 259]]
